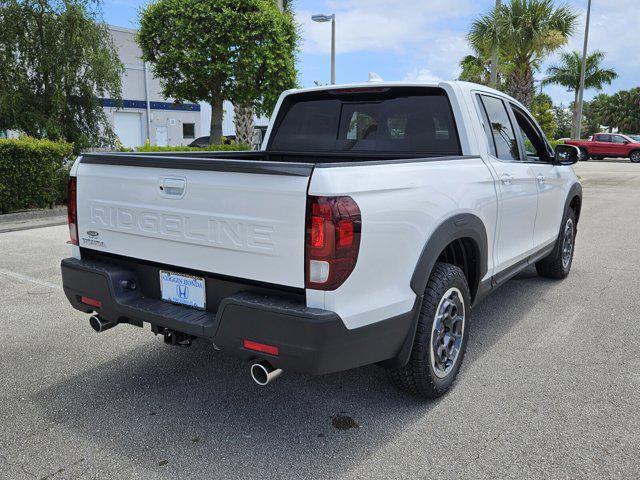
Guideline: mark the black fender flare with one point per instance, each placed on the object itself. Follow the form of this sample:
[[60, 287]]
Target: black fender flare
[[574, 191], [463, 225]]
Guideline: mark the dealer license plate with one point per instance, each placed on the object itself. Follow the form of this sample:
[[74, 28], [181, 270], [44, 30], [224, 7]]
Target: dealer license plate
[[183, 289]]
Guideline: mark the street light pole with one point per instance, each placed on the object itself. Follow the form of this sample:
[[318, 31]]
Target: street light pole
[[578, 117], [321, 18], [333, 49], [494, 55]]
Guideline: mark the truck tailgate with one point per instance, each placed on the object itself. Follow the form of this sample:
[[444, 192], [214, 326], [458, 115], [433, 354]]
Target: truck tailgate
[[243, 219]]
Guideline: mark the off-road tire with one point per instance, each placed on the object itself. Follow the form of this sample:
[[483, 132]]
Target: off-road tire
[[553, 266], [635, 156], [418, 376]]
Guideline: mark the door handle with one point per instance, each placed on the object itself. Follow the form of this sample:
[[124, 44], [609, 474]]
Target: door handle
[[172, 187], [540, 178], [506, 179]]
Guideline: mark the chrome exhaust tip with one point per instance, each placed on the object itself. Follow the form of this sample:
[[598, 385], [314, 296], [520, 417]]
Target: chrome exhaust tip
[[263, 372], [99, 324]]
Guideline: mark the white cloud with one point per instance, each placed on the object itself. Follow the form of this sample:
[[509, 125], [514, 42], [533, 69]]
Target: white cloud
[[421, 75], [614, 30], [378, 25], [427, 37]]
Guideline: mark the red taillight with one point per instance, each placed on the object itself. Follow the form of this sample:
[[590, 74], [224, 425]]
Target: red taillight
[[72, 210], [91, 302], [333, 241], [261, 347]]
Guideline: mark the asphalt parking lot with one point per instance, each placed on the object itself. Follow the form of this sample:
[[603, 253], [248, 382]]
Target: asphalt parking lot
[[550, 387]]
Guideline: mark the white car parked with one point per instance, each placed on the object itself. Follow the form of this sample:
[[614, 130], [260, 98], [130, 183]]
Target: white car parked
[[373, 220]]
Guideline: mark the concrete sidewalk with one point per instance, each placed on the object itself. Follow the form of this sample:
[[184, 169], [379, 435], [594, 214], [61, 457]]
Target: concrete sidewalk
[[14, 222]]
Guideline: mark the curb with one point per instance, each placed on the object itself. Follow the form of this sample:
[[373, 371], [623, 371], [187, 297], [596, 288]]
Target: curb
[[32, 215], [31, 224]]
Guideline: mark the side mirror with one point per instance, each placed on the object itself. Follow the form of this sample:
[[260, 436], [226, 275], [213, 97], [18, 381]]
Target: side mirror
[[567, 154], [626, 142]]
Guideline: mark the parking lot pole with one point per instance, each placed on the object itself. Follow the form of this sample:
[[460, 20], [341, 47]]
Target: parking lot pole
[[578, 118]]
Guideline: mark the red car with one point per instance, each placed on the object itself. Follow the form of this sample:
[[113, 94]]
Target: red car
[[612, 145]]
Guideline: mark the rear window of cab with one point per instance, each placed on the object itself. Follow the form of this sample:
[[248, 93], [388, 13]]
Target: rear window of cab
[[393, 119]]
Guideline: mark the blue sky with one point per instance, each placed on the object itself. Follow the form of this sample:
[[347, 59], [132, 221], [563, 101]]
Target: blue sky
[[425, 39]]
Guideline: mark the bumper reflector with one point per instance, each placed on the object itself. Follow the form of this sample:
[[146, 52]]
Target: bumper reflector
[[261, 347], [91, 302]]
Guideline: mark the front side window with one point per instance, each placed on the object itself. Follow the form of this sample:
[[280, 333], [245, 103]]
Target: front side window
[[535, 146], [505, 145], [618, 139]]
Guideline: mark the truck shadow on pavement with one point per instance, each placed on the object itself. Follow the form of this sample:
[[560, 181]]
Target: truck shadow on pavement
[[182, 412]]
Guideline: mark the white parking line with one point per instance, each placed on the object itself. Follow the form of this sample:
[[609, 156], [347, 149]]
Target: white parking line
[[25, 278]]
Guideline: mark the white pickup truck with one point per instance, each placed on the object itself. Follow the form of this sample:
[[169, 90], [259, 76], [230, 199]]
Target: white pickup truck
[[373, 220]]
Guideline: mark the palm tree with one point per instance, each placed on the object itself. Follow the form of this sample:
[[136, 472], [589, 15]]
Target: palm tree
[[567, 74], [525, 32]]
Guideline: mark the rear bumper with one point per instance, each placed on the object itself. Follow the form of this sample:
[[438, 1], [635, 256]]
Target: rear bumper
[[310, 340]]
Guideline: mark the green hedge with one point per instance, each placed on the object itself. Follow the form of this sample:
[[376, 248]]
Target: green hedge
[[555, 143], [33, 173]]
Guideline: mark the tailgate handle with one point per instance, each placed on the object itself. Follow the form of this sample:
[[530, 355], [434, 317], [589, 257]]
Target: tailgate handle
[[172, 187]]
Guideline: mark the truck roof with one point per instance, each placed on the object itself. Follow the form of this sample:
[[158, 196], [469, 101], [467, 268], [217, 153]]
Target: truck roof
[[464, 86]]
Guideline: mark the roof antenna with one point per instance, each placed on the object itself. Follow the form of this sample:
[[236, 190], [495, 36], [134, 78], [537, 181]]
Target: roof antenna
[[375, 78]]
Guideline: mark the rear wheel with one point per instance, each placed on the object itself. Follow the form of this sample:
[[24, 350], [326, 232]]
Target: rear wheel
[[441, 336], [558, 263], [635, 156], [584, 155]]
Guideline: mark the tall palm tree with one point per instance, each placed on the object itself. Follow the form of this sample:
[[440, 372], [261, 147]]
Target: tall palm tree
[[567, 74], [525, 32]]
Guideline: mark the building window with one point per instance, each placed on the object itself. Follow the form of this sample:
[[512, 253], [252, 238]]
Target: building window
[[188, 130]]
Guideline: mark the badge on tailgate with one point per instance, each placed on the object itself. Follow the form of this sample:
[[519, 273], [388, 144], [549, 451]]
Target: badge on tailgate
[[183, 289]]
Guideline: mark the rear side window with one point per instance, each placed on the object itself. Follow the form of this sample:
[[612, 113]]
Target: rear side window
[[502, 138], [603, 138], [401, 120]]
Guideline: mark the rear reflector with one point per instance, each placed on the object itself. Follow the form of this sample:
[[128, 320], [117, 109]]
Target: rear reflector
[[261, 347], [91, 302], [72, 209]]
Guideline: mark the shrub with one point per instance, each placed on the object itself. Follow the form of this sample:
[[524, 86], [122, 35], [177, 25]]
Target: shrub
[[213, 148], [33, 173]]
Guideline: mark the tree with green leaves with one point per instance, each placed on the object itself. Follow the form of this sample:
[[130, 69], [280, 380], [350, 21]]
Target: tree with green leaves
[[542, 110], [216, 50], [243, 117], [476, 69], [620, 110], [564, 121], [57, 59], [567, 74], [524, 32]]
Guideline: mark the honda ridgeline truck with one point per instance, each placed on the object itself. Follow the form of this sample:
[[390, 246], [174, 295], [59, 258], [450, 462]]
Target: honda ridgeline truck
[[373, 220]]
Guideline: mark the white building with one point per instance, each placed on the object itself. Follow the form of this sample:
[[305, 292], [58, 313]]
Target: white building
[[147, 114]]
